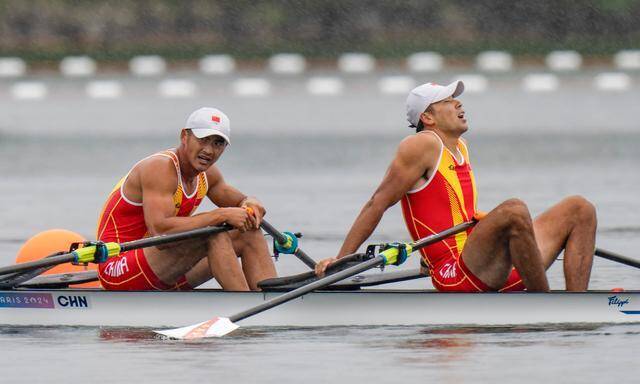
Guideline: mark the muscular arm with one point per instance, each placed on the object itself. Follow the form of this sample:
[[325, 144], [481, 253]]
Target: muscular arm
[[221, 193], [416, 155], [225, 195], [158, 180]]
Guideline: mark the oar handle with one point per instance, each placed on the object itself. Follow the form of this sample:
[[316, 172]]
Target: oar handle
[[282, 239], [617, 258]]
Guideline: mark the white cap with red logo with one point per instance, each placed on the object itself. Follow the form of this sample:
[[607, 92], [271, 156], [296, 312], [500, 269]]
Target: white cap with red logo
[[424, 95], [209, 121]]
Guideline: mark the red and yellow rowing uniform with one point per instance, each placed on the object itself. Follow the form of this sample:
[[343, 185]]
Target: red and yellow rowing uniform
[[122, 220], [447, 198]]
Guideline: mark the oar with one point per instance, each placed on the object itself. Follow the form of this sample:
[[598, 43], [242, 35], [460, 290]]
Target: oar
[[101, 251], [220, 326], [617, 258], [289, 242], [14, 279]]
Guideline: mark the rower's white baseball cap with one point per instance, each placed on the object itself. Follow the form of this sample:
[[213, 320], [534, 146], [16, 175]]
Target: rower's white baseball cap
[[424, 95], [206, 121]]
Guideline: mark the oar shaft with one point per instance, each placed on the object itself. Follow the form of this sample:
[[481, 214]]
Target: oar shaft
[[280, 238], [617, 258], [46, 262], [309, 288], [12, 280], [136, 244], [273, 232], [170, 238], [444, 234], [364, 266]]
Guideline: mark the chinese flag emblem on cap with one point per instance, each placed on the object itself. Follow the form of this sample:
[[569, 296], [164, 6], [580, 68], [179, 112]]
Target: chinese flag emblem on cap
[[215, 118]]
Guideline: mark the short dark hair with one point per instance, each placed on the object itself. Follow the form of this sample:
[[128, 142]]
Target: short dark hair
[[420, 126]]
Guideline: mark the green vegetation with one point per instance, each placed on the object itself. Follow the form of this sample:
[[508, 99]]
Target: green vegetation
[[46, 30]]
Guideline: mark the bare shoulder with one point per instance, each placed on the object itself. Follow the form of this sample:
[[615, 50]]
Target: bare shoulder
[[421, 146], [156, 170], [152, 164]]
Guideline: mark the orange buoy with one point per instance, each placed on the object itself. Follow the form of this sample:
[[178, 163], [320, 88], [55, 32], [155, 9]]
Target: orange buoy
[[48, 242], [617, 289]]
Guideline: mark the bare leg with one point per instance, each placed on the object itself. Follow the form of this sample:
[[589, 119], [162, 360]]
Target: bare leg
[[569, 225], [224, 265], [200, 273], [505, 238], [257, 264], [199, 260]]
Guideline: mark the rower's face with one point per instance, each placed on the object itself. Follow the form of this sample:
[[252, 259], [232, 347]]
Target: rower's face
[[449, 115], [202, 153]]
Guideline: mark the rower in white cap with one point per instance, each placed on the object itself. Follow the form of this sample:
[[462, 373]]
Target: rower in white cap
[[159, 196], [507, 250]]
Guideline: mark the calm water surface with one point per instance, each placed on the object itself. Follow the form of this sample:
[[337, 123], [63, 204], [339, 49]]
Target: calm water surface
[[317, 185], [574, 354]]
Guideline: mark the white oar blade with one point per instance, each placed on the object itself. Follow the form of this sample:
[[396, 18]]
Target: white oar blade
[[216, 327]]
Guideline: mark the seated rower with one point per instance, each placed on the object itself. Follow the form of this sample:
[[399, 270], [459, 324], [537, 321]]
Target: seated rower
[[159, 196], [507, 250]]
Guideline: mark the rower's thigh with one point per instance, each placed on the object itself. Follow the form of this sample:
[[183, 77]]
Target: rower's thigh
[[553, 226], [169, 263], [486, 251]]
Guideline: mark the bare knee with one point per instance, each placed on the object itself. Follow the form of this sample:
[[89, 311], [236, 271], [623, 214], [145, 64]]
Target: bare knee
[[250, 240], [515, 216], [254, 236], [582, 210], [219, 240], [513, 205]]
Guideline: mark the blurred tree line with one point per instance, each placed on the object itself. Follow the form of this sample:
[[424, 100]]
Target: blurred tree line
[[187, 29]]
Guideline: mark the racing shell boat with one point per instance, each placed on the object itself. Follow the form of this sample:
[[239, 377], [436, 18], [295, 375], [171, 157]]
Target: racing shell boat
[[348, 303]]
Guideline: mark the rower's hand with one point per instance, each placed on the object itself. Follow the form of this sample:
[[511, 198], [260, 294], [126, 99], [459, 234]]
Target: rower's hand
[[322, 265], [258, 210], [239, 218]]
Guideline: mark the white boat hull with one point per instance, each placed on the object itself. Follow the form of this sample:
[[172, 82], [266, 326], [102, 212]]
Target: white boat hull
[[365, 307]]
